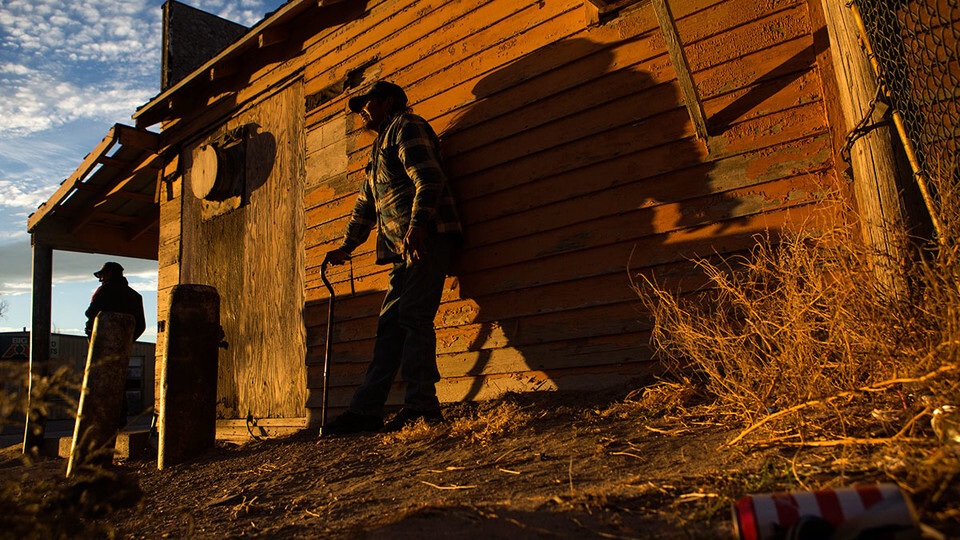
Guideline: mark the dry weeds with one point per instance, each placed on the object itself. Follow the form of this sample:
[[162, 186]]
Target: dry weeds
[[476, 426], [804, 343]]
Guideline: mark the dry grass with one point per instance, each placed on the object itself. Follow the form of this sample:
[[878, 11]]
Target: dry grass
[[806, 325], [478, 424], [815, 341], [485, 426]]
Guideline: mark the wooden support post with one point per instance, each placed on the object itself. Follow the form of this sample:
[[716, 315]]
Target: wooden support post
[[918, 174], [681, 66], [188, 386], [875, 170], [102, 393], [39, 342]]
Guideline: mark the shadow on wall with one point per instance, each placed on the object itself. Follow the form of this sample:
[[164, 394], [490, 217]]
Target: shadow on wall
[[556, 171], [261, 157], [579, 159]]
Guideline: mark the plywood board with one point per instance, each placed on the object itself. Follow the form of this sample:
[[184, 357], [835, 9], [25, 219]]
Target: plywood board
[[254, 257]]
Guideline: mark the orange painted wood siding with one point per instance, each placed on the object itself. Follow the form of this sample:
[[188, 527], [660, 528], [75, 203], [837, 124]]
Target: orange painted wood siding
[[572, 156]]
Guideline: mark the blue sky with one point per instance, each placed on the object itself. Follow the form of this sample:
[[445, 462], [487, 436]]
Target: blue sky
[[69, 71]]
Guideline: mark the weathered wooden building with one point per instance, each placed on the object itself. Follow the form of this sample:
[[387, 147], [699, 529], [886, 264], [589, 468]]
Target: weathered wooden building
[[571, 150]]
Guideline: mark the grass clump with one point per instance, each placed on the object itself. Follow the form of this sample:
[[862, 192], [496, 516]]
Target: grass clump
[[490, 424], [656, 401], [473, 423]]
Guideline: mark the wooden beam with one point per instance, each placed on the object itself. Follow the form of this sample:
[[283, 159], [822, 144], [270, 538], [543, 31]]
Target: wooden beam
[[157, 188], [680, 65], [102, 392], [94, 215], [145, 223], [188, 384], [194, 101], [918, 175], [132, 195], [111, 162], [114, 217], [97, 238], [237, 429], [148, 162], [272, 36], [166, 175], [172, 167], [126, 135], [224, 70], [135, 196], [149, 166], [156, 114], [875, 169], [138, 138]]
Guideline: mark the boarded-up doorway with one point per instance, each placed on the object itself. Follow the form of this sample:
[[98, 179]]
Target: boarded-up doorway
[[252, 252]]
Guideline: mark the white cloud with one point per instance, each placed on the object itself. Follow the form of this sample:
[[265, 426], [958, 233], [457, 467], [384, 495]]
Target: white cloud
[[8, 236], [53, 27], [14, 288], [91, 59], [19, 195], [16, 69], [246, 17], [30, 171], [34, 101], [68, 267], [145, 282]]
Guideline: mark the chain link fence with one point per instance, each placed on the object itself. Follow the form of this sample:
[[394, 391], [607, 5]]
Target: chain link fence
[[916, 44]]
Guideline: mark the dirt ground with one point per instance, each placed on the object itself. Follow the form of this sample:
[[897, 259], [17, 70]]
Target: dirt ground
[[543, 466]]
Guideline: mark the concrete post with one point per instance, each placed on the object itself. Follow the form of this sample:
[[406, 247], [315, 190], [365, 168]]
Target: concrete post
[[104, 379], [188, 386]]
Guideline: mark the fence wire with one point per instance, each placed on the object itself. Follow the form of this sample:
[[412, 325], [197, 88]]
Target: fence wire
[[917, 47]]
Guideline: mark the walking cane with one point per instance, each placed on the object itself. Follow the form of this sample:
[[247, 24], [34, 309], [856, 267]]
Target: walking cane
[[326, 347]]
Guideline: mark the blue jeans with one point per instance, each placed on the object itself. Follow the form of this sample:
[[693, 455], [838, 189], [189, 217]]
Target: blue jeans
[[406, 340]]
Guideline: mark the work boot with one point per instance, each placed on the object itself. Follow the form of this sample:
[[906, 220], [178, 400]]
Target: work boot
[[408, 417], [351, 422]]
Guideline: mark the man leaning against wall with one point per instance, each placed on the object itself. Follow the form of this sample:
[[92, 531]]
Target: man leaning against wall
[[406, 196]]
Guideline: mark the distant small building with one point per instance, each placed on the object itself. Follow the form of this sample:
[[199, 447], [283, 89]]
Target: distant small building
[[71, 351]]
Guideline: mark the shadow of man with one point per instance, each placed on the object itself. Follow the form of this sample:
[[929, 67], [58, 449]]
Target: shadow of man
[[555, 166]]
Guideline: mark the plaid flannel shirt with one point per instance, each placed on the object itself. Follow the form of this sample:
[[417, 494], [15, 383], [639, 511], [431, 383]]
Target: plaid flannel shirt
[[405, 186]]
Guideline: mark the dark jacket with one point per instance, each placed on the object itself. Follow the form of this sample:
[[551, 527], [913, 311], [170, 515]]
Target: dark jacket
[[405, 186], [117, 296]]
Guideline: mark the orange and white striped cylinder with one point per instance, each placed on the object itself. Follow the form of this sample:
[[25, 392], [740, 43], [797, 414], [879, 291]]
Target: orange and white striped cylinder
[[879, 511]]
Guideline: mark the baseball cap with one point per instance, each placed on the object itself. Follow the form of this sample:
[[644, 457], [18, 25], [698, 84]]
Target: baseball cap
[[109, 267], [377, 90]]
